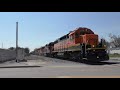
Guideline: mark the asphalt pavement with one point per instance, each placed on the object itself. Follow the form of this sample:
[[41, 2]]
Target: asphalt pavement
[[44, 67]]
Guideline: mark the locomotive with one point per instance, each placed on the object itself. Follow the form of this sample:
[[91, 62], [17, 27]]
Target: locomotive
[[79, 44]]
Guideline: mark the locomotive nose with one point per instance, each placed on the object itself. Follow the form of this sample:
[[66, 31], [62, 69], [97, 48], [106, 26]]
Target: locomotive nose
[[91, 39]]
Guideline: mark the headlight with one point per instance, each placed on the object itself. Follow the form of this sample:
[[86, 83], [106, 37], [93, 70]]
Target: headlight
[[105, 46], [93, 45]]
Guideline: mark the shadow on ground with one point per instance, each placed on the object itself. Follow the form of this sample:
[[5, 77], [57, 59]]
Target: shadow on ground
[[94, 63], [19, 66], [100, 63], [109, 62]]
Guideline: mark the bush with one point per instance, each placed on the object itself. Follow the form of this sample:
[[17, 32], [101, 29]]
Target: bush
[[115, 54]]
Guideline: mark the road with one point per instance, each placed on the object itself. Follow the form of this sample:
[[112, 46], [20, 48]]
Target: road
[[44, 67]]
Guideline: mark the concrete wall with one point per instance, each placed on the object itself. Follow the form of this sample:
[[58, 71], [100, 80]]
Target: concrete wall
[[114, 50], [6, 55]]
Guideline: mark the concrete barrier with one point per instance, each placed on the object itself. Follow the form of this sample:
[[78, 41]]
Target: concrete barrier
[[21, 54]]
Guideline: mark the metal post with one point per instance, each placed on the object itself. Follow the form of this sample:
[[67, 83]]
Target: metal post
[[16, 41]]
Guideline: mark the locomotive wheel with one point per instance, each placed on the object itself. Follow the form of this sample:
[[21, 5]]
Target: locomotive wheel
[[66, 55]]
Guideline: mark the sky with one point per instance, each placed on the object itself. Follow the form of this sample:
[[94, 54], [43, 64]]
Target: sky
[[39, 28]]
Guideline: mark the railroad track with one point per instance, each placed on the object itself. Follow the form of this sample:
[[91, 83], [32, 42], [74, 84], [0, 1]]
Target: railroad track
[[60, 60]]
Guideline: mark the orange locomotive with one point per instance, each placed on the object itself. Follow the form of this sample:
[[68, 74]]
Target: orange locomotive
[[80, 44]]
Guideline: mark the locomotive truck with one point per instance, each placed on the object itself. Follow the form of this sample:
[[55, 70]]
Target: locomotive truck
[[79, 44]]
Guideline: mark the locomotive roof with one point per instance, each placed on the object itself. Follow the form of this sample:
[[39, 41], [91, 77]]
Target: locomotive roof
[[82, 29], [61, 38], [64, 37]]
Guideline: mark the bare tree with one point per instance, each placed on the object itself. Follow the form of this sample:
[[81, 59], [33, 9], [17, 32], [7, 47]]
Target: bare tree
[[105, 42], [115, 40]]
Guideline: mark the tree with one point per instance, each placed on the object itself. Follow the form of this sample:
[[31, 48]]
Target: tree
[[115, 40], [105, 42], [11, 48], [27, 50]]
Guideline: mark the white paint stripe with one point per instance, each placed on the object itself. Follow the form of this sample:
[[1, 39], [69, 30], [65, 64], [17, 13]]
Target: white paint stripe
[[35, 63], [67, 66], [88, 77]]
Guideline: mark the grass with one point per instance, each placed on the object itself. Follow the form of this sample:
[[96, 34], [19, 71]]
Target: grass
[[114, 55]]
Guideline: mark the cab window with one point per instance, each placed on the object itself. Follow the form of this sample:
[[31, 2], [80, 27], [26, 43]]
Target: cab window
[[71, 37]]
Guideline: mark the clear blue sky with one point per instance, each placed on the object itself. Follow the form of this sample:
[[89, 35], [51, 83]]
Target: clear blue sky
[[39, 28]]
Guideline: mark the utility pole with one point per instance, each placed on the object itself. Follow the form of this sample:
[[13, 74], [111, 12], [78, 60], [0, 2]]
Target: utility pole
[[16, 41]]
